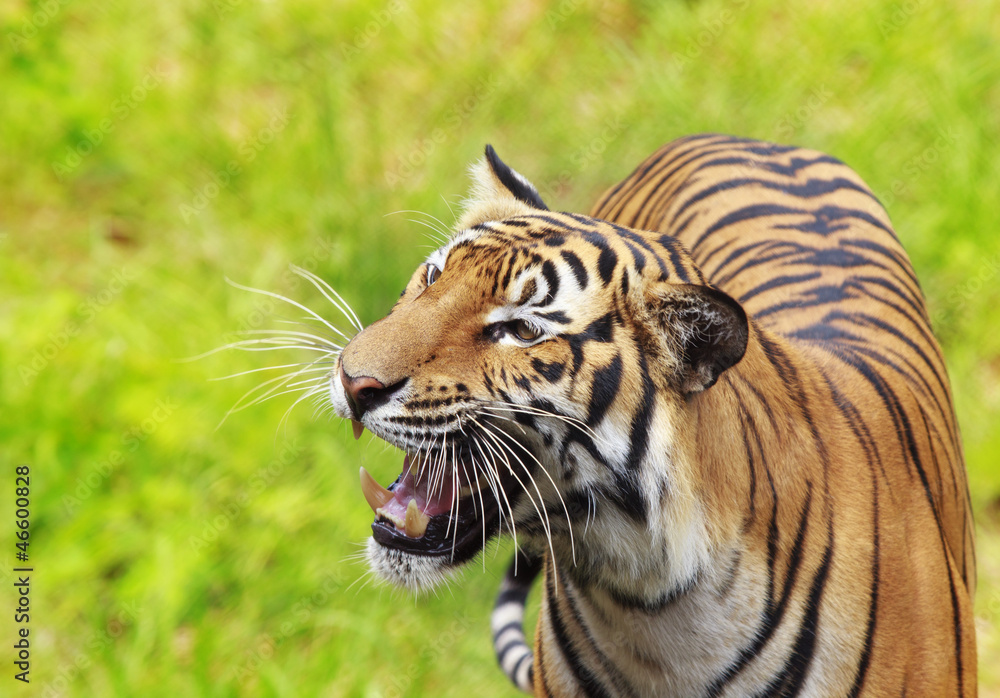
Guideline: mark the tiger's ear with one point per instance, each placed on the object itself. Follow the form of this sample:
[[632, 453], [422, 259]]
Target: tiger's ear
[[498, 192], [704, 328]]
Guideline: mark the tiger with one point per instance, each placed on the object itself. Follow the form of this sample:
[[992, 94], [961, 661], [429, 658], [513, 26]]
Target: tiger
[[713, 416]]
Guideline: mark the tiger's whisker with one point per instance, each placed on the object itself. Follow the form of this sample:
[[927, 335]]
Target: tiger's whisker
[[340, 304], [286, 300]]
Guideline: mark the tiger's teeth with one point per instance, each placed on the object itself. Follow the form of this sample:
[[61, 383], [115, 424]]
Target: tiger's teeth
[[358, 428], [416, 520], [375, 494]]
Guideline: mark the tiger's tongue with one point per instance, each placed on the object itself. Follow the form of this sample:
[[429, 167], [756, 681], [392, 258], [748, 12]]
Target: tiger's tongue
[[409, 505], [411, 487]]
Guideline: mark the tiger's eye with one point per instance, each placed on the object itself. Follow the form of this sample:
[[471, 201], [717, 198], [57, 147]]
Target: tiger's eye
[[432, 274], [525, 332]]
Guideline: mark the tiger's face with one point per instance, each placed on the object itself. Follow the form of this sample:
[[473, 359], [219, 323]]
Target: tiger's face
[[533, 373]]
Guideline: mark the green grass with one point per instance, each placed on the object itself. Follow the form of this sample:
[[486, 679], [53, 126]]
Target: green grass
[[149, 150]]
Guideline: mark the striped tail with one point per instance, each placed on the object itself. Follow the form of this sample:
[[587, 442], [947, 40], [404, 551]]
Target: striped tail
[[507, 621]]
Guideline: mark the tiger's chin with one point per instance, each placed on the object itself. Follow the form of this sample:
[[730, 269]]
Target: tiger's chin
[[414, 573], [428, 523]]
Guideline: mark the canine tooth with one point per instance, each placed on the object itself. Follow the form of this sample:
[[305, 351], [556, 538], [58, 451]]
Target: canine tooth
[[416, 520], [375, 494], [358, 428]]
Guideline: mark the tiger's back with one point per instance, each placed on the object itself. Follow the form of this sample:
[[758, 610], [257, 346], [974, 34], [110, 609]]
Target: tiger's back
[[801, 243]]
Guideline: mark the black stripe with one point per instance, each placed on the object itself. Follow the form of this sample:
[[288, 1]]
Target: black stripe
[[899, 258], [867, 442], [913, 301], [604, 389], [632, 236], [808, 298], [746, 213], [661, 161], [617, 678], [809, 189], [654, 606], [904, 434], [789, 170], [773, 613], [628, 494], [647, 165], [501, 652], [551, 372], [515, 624], [910, 373], [652, 202], [638, 258], [557, 316], [865, 320], [510, 260], [600, 330], [789, 682], [778, 282], [765, 405], [549, 272], [673, 248], [584, 677], [517, 668], [606, 263], [576, 266], [785, 368], [763, 251], [516, 643], [747, 425], [639, 431]]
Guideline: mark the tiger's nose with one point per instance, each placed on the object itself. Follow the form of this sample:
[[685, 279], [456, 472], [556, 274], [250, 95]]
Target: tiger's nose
[[365, 393]]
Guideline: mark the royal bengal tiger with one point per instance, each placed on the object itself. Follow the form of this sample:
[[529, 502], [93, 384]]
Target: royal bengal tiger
[[714, 417]]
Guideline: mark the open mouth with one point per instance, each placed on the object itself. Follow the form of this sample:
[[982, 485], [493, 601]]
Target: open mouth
[[434, 508]]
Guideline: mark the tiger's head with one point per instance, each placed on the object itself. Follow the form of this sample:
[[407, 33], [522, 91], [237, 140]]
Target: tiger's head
[[536, 372]]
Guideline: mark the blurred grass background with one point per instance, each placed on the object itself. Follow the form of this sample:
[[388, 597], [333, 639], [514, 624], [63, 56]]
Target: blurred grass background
[[149, 150]]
